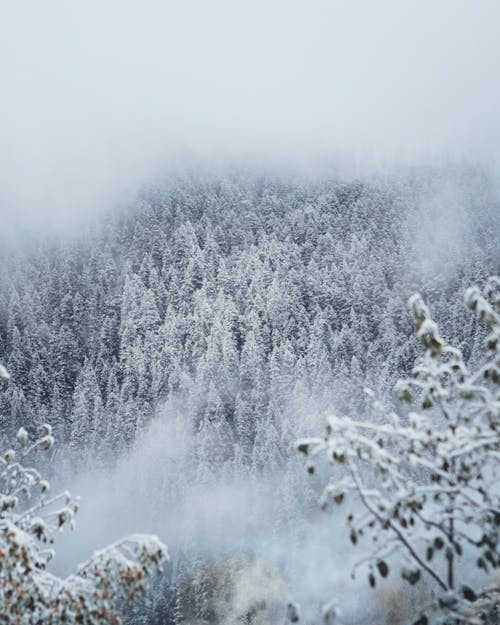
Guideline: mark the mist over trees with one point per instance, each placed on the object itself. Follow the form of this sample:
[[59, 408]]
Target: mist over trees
[[243, 295], [244, 310]]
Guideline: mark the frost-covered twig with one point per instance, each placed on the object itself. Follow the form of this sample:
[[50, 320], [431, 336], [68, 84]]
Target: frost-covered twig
[[29, 522], [429, 487]]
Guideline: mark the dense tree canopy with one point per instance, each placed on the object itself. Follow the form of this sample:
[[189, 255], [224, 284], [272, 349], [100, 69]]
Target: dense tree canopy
[[242, 294], [244, 310]]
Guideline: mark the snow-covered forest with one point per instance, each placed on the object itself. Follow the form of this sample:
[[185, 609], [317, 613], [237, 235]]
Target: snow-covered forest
[[244, 310], [245, 296]]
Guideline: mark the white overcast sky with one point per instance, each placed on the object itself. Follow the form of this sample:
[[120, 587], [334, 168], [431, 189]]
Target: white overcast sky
[[97, 96]]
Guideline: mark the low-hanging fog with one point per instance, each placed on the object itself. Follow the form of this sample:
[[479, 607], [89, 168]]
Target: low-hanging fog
[[207, 512], [100, 98]]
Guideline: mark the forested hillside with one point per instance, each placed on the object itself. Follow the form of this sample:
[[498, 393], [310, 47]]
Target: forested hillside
[[247, 297], [216, 320]]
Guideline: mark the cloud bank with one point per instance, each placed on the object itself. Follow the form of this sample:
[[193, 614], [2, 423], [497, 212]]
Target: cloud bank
[[99, 97]]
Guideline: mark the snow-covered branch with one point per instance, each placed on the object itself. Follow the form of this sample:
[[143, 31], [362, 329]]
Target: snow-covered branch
[[426, 481], [29, 523]]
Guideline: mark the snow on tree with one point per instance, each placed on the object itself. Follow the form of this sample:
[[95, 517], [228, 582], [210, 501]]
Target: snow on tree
[[426, 481], [211, 276], [29, 519]]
